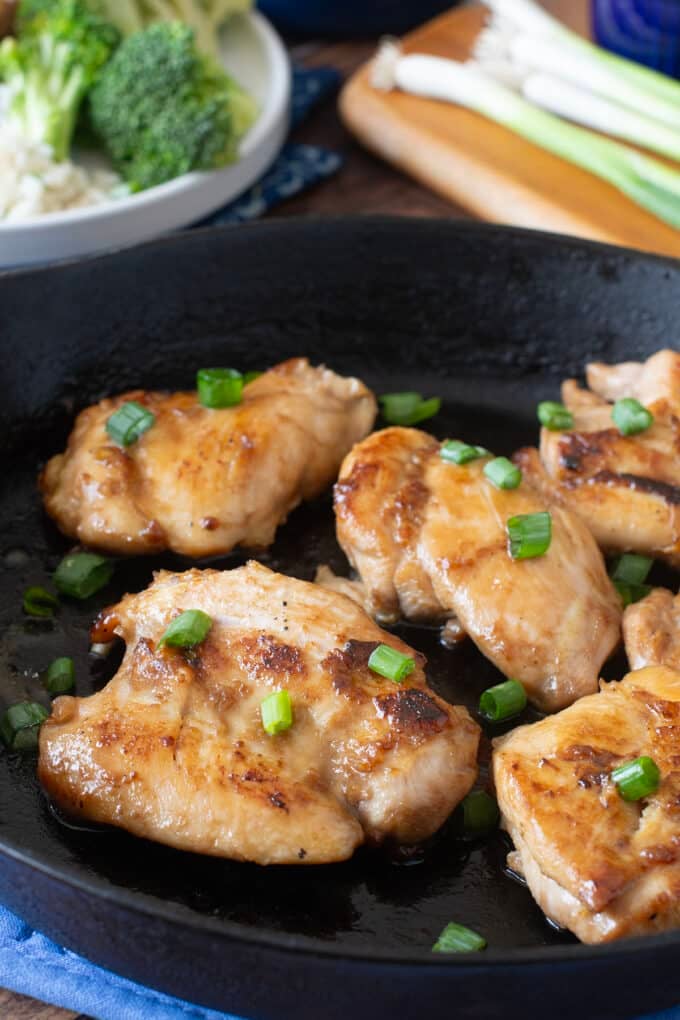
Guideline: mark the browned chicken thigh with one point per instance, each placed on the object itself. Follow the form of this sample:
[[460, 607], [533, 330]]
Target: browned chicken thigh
[[201, 481], [597, 864], [173, 748], [626, 488], [428, 539], [651, 630]]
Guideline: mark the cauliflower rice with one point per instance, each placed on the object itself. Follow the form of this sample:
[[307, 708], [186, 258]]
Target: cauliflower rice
[[32, 183]]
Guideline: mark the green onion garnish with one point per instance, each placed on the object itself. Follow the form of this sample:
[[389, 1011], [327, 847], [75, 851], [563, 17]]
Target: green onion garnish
[[390, 663], [60, 676], [40, 602], [630, 417], [631, 568], [129, 422], [408, 408], [456, 452], [81, 574], [477, 813], [631, 593], [529, 535], [554, 416], [20, 725], [277, 713], [249, 377], [187, 629], [456, 938], [638, 778], [503, 701], [502, 473], [219, 387]]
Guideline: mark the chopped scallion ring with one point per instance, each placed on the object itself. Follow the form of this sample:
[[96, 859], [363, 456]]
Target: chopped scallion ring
[[477, 814], [457, 452], [60, 676], [456, 938], [20, 725], [637, 779], [503, 701], [554, 416], [129, 422], [631, 593], [630, 417], [40, 602], [249, 377], [187, 629], [81, 574], [219, 387], [529, 535], [390, 663], [408, 408], [502, 473], [631, 568], [276, 711]]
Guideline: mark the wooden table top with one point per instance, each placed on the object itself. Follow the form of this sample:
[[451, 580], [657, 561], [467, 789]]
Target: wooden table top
[[365, 185]]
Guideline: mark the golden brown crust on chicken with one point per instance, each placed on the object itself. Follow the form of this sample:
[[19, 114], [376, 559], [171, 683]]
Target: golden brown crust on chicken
[[595, 863], [651, 630], [202, 481], [429, 540], [626, 488], [173, 748]]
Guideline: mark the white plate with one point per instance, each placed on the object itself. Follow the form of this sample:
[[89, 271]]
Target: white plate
[[254, 53]]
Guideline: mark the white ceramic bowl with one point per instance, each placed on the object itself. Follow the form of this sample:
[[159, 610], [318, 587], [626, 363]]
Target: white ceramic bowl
[[254, 53]]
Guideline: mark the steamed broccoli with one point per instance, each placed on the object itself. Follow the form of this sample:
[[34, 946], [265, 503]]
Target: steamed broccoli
[[204, 16], [61, 47], [161, 108]]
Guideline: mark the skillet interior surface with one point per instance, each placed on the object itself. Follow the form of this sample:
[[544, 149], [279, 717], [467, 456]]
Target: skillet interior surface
[[489, 319]]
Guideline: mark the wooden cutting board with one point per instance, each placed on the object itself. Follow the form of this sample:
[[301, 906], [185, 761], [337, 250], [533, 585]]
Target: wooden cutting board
[[484, 167]]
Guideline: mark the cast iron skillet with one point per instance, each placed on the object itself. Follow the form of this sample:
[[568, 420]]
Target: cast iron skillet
[[489, 318]]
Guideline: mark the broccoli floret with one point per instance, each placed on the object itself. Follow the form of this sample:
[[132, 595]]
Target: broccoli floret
[[162, 109], [205, 16], [61, 47]]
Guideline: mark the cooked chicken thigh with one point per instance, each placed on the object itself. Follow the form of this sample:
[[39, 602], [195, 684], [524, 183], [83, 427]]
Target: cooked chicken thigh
[[651, 630], [202, 481], [626, 488], [597, 864], [173, 748], [428, 539]]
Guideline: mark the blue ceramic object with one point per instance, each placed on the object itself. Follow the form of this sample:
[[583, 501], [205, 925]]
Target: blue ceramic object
[[647, 31], [351, 17]]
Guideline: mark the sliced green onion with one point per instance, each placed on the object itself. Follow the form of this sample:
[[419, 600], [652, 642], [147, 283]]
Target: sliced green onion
[[60, 676], [390, 663], [554, 416], [631, 568], [631, 593], [503, 701], [630, 417], [456, 452], [249, 377], [277, 712], [477, 814], [408, 408], [529, 535], [502, 473], [40, 602], [20, 725], [637, 779], [81, 574], [219, 387], [456, 938], [187, 629], [129, 422]]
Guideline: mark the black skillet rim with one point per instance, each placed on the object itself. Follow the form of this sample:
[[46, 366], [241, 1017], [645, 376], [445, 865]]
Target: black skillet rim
[[175, 914]]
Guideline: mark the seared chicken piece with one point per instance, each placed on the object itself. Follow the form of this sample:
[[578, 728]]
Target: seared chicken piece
[[428, 539], [202, 481], [626, 488], [595, 863], [173, 748], [651, 630]]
